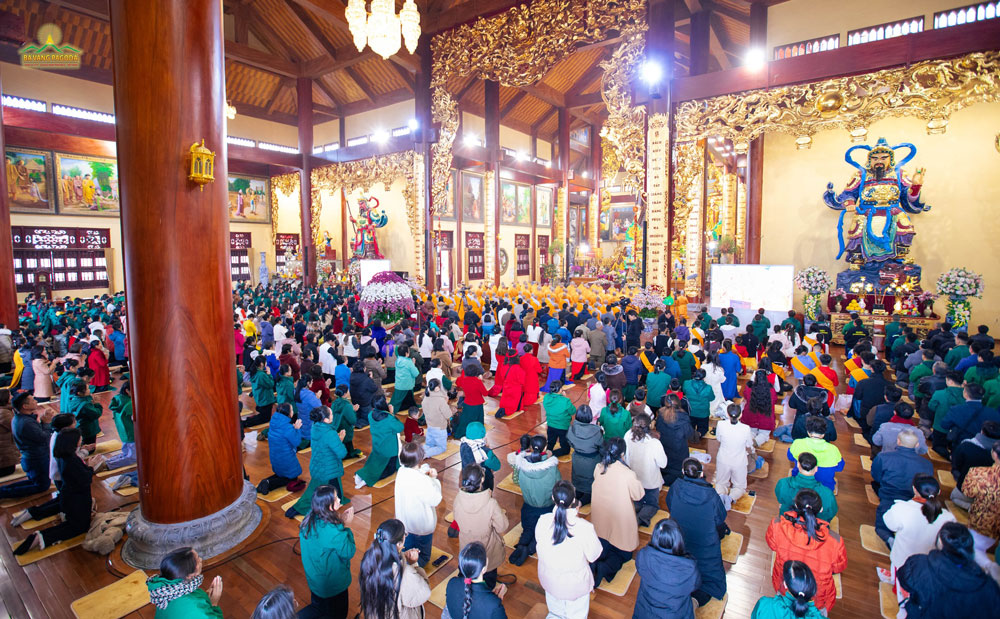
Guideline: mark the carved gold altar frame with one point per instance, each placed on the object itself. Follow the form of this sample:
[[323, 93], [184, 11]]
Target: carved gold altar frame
[[931, 90], [288, 184], [363, 175], [519, 46]]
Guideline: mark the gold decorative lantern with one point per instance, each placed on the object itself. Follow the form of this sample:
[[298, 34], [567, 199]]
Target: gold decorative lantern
[[202, 164]]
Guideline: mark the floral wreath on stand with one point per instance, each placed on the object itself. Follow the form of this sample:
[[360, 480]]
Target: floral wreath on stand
[[387, 297], [959, 284], [814, 281]]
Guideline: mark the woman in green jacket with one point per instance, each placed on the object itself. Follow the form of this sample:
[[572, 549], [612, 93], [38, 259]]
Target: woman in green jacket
[[177, 592], [285, 386], [385, 429], [327, 549], [65, 383], [615, 418], [121, 408], [326, 463], [406, 378], [699, 395], [797, 601], [87, 412], [262, 389]]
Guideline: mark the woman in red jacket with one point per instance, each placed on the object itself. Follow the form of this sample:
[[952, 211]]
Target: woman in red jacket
[[532, 371], [513, 388], [759, 399], [97, 360], [798, 535], [500, 376]]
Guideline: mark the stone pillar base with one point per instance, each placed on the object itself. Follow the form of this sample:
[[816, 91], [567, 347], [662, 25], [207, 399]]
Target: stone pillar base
[[148, 542]]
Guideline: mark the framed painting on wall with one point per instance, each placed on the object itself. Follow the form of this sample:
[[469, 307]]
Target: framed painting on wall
[[508, 202], [523, 217], [87, 185], [615, 223], [249, 199], [448, 210], [472, 197], [29, 180], [543, 202]]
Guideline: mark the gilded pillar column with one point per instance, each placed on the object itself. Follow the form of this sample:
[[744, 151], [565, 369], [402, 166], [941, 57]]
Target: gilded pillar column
[[169, 94]]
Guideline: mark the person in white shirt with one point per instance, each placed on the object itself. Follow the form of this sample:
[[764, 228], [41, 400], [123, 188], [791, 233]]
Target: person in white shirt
[[729, 330], [735, 443], [280, 331], [645, 456], [326, 359], [534, 332], [494, 340], [418, 493], [95, 326], [566, 546], [915, 524], [714, 377]]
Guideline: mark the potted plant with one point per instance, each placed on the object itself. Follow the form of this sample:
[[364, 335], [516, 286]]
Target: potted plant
[[388, 298], [727, 249], [814, 281], [960, 284]]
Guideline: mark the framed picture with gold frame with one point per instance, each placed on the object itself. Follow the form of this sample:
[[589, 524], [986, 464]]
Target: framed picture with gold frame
[[249, 199], [87, 185], [29, 180], [448, 212], [472, 197], [543, 203]]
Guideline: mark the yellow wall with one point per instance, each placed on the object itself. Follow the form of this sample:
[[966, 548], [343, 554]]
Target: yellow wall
[[385, 118], [509, 138], [959, 231], [801, 20]]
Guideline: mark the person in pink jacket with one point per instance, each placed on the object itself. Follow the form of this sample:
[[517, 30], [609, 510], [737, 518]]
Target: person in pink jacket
[[566, 546], [579, 352]]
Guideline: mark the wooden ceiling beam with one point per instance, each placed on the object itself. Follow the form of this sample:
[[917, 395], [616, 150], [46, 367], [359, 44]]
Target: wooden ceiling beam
[[312, 27], [260, 60], [512, 103], [725, 43], [326, 91], [96, 9], [283, 85], [387, 99], [721, 57], [538, 124], [404, 74], [473, 80], [466, 12], [587, 78], [587, 100], [362, 84], [480, 111], [241, 23], [255, 111], [729, 12], [262, 29]]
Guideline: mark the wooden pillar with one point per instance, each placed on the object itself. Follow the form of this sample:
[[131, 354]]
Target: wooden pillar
[[422, 109], [596, 172], [8, 288], [755, 156], [562, 120], [303, 89], [493, 155], [345, 232], [661, 43], [700, 50], [177, 279]]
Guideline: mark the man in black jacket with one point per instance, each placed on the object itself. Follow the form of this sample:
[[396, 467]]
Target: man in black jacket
[[972, 452], [868, 393], [362, 390], [32, 439]]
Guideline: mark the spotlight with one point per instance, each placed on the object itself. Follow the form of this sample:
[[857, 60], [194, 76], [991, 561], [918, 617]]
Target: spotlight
[[652, 72], [414, 124], [586, 174], [470, 139], [521, 156], [380, 136], [755, 59]]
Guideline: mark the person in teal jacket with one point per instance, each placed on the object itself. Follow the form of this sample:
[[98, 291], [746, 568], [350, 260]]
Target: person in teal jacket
[[559, 411], [87, 412], [788, 487], [65, 382], [615, 418], [699, 395], [344, 417], [285, 386], [797, 602], [385, 429], [121, 408], [262, 389], [984, 370], [327, 549], [685, 360], [326, 464], [176, 592], [406, 378], [657, 384]]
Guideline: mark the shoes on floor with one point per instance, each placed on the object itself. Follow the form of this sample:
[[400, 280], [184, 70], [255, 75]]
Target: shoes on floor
[[359, 483], [20, 519], [884, 575], [291, 513], [121, 482]]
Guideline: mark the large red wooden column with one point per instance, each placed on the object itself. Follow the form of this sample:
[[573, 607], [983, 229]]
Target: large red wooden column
[[169, 94], [492, 141], [303, 89], [755, 158], [8, 289]]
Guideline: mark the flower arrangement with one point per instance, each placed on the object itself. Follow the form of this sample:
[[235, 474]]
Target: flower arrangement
[[648, 302], [925, 297], [813, 280], [960, 282], [838, 294], [387, 297], [727, 245]]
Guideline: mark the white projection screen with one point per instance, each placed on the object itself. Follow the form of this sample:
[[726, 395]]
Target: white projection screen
[[750, 286]]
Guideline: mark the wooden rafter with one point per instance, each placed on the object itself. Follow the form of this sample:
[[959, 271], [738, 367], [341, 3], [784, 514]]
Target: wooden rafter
[[361, 82], [312, 27], [723, 59], [473, 80], [383, 100], [512, 103], [725, 43], [729, 12], [326, 91], [278, 91], [260, 60], [405, 75]]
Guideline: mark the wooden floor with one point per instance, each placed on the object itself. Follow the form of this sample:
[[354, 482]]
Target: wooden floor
[[48, 587]]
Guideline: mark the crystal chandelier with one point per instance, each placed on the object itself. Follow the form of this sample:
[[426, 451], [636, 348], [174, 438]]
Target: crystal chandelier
[[381, 29]]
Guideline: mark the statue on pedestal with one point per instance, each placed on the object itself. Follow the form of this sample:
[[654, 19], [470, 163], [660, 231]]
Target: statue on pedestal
[[370, 218], [879, 198]]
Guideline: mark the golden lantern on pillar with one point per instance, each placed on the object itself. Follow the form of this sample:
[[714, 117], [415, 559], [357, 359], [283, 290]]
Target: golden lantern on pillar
[[202, 165]]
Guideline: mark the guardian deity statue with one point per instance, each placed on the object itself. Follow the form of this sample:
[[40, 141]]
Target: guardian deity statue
[[370, 218]]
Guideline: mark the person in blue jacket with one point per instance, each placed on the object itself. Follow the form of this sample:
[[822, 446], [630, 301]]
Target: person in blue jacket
[[283, 439], [731, 365], [305, 402], [117, 338]]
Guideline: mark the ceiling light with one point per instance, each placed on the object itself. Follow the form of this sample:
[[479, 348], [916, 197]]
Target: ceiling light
[[381, 28], [652, 72], [586, 174], [470, 139], [521, 156], [413, 124], [380, 135], [755, 59]]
